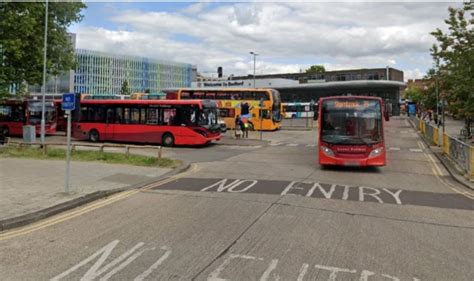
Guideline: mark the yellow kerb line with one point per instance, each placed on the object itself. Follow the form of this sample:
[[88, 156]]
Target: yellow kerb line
[[438, 174]]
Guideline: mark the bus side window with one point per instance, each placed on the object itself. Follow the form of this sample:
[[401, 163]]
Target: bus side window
[[142, 115], [84, 111], [119, 115], [152, 116], [5, 113], [126, 115], [110, 115]]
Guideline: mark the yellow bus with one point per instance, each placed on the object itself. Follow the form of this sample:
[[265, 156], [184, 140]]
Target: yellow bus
[[243, 102]]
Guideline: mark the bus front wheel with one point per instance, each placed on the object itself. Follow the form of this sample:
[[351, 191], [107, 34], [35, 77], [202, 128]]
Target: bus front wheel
[[167, 140], [94, 136]]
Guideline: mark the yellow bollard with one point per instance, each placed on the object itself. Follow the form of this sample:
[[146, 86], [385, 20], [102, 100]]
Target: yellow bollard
[[436, 136], [445, 144]]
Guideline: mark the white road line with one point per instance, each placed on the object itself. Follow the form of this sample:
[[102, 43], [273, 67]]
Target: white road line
[[394, 148], [416, 150], [275, 143], [292, 144], [310, 145]]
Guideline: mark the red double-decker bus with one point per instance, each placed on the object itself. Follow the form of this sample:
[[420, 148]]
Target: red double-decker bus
[[166, 122], [14, 114], [351, 131]]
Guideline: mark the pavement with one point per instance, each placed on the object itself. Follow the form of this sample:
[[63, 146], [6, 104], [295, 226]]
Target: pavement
[[28, 185], [267, 213]]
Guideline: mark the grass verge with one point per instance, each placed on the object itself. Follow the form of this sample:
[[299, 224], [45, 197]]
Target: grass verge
[[88, 155]]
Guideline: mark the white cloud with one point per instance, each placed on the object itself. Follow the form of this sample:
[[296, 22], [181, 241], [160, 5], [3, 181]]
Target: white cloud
[[414, 74], [338, 35]]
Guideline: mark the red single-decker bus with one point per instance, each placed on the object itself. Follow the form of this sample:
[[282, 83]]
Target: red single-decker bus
[[351, 131], [14, 114], [166, 122]]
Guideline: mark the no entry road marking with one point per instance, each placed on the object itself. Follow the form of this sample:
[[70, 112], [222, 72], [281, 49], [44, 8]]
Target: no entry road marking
[[323, 191]]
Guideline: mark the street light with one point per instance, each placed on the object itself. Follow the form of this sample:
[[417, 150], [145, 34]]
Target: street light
[[43, 89], [254, 58]]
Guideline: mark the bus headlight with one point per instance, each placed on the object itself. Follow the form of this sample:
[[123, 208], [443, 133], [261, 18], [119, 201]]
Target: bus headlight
[[327, 151], [376, 152]]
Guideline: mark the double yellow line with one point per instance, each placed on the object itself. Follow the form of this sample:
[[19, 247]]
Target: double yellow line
[[439, 174], [87, 208]]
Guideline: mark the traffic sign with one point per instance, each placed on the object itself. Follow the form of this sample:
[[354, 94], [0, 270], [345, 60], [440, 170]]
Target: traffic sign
[[69, 102]]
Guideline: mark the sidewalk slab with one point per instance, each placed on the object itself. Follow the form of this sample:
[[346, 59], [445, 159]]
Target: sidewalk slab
[[30, 185]]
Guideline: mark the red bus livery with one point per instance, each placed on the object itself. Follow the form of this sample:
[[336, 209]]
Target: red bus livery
[[351, 131], [168, 122], [14, 114]]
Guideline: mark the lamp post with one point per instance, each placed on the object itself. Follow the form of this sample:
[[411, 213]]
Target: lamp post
[[254, 59], [43, 89]]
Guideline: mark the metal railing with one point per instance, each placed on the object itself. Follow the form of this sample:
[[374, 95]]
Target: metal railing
[[455, 149]]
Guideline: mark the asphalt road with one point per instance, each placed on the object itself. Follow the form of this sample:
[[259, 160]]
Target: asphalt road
[[264, 213]]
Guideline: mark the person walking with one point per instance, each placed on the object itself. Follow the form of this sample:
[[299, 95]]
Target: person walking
[[238, 127], [245, 129]]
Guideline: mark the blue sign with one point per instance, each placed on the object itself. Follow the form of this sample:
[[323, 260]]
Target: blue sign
[[69, 102]]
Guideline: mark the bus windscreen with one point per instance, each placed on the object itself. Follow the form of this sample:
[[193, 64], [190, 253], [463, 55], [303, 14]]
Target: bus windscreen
[[347, 121]]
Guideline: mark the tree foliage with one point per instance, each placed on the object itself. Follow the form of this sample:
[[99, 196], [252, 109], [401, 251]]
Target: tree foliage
[[316, 69], [454, 59], [22, 40], [125, 90]]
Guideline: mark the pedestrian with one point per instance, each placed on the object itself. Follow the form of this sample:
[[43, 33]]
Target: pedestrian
[[238, 127], [245, 129]]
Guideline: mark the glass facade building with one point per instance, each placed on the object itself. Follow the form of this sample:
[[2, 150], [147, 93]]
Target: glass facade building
[[101, 73]]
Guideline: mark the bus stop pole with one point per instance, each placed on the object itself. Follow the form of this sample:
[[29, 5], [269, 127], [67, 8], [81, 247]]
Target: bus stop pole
[[261, 121], [43, 89], [68, 150]]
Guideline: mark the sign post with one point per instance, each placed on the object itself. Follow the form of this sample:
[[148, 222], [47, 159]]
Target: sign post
[[261, 118], [68, 105]]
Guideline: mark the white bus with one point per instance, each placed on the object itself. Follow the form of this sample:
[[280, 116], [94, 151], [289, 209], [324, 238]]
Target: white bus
[[298, 110]]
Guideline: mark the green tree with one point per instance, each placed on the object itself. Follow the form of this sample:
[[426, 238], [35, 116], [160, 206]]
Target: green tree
[[22, 40], [125, 88], [316, 69], [454, 60]]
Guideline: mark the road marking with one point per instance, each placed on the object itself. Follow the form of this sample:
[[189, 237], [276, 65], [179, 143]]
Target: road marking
[[421, 145], [416, 150], [88, 208], [274, 143], [439, 175], [214, 275], [310, 145], [303, 270], [273, 264], [394, 196], [116, 265], [154, 266], [292, 144], [334, 271], [394, 148]]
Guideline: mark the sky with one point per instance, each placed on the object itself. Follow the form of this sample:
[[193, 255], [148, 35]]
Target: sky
[[288, 37]]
